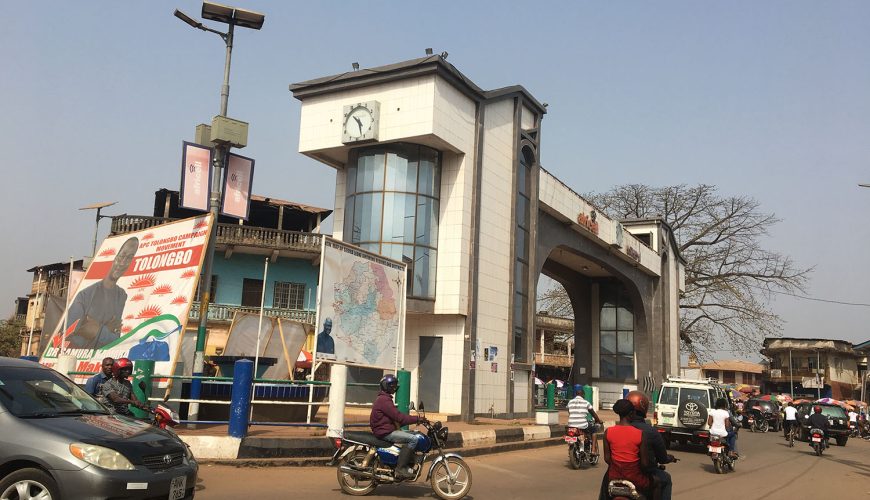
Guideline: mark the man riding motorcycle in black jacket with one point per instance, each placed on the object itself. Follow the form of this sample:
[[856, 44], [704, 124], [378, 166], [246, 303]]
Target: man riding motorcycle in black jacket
[[662, 479]]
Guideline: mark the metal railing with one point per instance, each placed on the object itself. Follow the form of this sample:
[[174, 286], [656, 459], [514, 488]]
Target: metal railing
[[224, 312], [231, 234], [565, 360]]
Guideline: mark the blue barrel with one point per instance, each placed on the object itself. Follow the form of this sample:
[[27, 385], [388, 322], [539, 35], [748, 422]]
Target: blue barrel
[[240, 399]]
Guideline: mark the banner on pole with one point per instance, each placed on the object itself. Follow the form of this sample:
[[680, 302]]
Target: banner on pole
[[195, 177], [361, 307], [238, 179], [135, 297]]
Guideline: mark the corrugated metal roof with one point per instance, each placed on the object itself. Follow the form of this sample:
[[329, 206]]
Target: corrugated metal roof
[[734, 365]]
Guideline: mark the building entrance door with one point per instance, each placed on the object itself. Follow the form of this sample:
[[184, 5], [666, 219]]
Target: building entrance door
[[429, 373]]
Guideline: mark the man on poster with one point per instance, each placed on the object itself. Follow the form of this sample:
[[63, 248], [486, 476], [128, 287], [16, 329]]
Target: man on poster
[[325, 343], [97, 310]]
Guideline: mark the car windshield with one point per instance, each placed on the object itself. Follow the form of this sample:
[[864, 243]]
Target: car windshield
[[41, 393], [697, 395]]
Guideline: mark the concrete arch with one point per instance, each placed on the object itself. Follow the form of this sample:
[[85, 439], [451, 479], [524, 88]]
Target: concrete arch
[[558, 248]]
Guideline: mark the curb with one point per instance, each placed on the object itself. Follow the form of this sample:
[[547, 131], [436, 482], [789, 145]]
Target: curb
[[324, 462], [216, 449]]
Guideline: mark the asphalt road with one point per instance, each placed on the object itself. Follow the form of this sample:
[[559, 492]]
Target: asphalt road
[[769, 469]]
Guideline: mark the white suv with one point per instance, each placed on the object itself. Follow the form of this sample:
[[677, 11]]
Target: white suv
[[681, 411]]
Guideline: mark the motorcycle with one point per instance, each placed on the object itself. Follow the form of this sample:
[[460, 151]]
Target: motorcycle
[[579, 448], [854, 432], [817, 441], [364, 462], [163, 417], [719, 453], [623, 489], [757, 422]]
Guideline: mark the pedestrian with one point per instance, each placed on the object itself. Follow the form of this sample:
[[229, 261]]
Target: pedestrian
[[95, 384]]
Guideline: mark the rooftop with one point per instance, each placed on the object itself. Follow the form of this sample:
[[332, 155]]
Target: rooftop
[[733, 365]]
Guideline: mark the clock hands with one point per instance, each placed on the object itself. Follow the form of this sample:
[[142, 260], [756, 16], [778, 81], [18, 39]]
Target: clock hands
[[359, 123]]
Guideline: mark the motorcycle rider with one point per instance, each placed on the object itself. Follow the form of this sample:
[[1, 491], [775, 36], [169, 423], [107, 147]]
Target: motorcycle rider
[[719, 420], [386, 420], [640, 401], [819, 421], [626, 451], [118, 391], [790, 419], [578, 416]]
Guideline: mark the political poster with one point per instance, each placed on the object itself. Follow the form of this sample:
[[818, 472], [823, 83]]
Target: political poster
[[195, 177], [236, 201], [361, 307], [135, 297]]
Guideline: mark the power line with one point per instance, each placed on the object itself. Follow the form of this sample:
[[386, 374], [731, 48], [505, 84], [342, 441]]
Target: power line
[[829, 301]]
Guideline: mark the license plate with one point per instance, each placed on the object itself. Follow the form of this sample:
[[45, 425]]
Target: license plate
[[715, 449], [177, 487], [570, 439], [817, 440]]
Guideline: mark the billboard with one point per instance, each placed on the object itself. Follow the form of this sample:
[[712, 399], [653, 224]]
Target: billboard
[[239, 175], [195, 177], [135, 297], [360, 307]]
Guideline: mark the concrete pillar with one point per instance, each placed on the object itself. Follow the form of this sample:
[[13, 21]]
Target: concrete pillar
[[337, 400]]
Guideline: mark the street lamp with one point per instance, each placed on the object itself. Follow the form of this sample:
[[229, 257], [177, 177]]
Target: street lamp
[[98, 207], [233, 17]]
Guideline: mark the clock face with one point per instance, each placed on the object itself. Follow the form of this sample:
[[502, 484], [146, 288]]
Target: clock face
[[358, 122]]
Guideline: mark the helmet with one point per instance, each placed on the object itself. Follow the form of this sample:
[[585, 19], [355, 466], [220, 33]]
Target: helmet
[[389, 384], [640, 401], [120, 364], [578, 388], [817, 409]]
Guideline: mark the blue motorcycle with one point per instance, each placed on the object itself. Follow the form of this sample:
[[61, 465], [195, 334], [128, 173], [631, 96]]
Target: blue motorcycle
[[365, 461]]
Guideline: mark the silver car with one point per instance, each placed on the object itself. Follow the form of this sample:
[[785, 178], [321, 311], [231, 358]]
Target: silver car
[[57, 442]]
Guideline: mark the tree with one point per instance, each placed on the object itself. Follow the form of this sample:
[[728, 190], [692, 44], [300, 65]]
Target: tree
[[10, 338], [730, 277]]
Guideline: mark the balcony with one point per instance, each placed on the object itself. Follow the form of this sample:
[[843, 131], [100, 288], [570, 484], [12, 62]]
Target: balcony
[[232, 234], [783, 374], [561, 360], [225, 312]]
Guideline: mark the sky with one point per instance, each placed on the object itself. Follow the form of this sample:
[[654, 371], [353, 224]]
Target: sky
[[765, 99]]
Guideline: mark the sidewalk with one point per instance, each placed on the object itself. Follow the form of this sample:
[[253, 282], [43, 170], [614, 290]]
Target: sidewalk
[[278, 445]]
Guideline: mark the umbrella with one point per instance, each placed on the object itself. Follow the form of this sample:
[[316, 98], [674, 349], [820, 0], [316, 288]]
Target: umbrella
[[784, 398], [799, 401], [304, 359], [538, 381], [559, 383], [745, 389], [856, 403], [766, 397]]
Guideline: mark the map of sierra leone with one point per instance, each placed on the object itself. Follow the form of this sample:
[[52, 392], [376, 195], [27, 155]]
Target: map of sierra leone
[[367, 313]]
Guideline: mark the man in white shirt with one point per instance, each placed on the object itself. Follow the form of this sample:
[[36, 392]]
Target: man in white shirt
[[790, 419], [853, 417], [578, 416]]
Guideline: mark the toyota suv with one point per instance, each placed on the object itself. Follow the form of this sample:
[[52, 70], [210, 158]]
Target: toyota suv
[[681, 410], [57, 442]]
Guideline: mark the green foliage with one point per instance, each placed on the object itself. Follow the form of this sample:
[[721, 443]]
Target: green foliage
[[10, 338]]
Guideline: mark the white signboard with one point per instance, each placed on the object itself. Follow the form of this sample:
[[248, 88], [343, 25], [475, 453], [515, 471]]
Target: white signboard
[[134, 300], [361, 307]]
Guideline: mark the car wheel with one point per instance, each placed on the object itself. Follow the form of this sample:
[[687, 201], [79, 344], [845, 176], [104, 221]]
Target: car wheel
[[841, 440], [28, 483]]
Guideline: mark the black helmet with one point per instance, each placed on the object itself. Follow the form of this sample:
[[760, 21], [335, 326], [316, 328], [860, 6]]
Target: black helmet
[[390, 384]]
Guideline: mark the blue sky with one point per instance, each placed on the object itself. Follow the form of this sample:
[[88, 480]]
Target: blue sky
[[767, 99]]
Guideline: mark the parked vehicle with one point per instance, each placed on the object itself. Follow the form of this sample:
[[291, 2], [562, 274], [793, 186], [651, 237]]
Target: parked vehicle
[[681, 411], [817, 440], [838, 421], [579, 448], [720, 454], [60, 443], [762, 416], [365, 461]]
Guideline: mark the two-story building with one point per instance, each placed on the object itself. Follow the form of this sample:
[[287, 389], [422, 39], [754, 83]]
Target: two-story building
[[285, 232], [554, 347], [810, 367], [45, 303]]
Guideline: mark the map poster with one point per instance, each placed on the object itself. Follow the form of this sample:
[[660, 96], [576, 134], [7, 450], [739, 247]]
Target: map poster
[[134, 299], [361, 307]]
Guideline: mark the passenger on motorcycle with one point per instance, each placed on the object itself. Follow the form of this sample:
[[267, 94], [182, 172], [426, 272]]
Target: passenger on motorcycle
[[790, 419], [118, 391], [579, 411], [719, 420], [819, 421], [626, 451], [386, 420], [663, 480]]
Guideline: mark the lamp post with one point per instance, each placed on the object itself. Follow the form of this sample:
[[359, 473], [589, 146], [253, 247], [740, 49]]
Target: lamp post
[[232, 17], [98, 207]]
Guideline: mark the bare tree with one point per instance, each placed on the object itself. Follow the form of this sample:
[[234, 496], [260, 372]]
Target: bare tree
[[729, 276]]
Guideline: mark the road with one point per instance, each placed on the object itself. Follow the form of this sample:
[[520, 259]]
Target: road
[[769, 470]]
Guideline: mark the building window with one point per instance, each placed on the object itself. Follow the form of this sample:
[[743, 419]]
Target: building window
[[391, 208], [522, 213], [289, 295], [728, 377], [252, 292], [616, 333]]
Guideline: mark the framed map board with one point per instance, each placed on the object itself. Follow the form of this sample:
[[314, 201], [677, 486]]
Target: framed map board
[[360, 307]]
